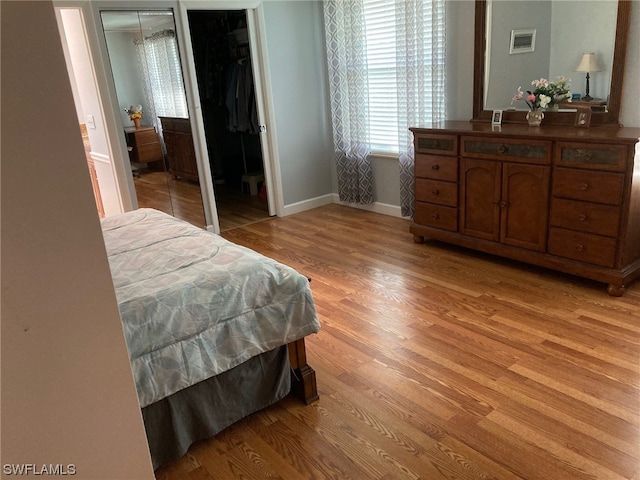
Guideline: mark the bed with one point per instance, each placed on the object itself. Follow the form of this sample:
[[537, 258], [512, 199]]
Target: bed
[[214, 331]]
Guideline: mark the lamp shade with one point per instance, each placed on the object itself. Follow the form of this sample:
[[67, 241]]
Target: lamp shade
[[588, 63]]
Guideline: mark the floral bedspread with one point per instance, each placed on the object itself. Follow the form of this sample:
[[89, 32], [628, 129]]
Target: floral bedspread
[[194, 304]]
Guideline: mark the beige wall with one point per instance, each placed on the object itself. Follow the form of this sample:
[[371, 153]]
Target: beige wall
[[67, 390]]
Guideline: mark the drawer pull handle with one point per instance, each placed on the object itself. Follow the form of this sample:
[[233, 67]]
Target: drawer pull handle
[[435, 167], [436, 192], [587, 156], [502, 204], [435, 144], [582, 217], [580, 248], [584, 186], [435, 216], [502, 149]]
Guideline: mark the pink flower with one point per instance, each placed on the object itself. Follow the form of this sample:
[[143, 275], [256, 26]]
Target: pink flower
[[543, 82], [531, 97], [518, 95]]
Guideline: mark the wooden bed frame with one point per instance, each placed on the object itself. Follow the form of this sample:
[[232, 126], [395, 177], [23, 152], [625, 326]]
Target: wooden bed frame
[[303, 377]]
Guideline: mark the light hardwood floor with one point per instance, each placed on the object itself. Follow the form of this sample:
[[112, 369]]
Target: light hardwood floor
[[435, 362], [182, 199]]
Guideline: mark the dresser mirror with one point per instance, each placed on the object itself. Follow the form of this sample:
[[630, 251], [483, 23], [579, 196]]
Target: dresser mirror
[[514, 47]]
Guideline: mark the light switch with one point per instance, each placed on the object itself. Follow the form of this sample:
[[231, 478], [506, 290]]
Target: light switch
[[91, 122]]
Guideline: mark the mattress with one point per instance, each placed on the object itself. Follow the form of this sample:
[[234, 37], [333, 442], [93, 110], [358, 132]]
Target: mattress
[[194, 305]]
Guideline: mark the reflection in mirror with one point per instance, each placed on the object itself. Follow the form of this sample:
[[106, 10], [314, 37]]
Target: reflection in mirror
[[563, 32], [145, 64]]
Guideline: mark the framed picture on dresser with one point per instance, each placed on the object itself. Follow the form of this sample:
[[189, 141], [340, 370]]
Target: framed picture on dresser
[[583, 118], [496, 117]]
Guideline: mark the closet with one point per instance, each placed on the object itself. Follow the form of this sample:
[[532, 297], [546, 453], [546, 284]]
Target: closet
[[225, 82]]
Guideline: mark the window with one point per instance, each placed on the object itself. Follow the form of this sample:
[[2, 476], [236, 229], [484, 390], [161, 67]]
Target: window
[[380, 27], [386, 71], [160, 63], [391, 33]]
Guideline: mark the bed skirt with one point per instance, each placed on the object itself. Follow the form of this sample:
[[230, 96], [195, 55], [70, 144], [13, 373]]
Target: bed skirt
[[206, 408]]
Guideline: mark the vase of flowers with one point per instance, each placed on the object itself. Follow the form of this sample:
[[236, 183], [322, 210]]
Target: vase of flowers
[[545, 96], [135, 114], [534, 117]]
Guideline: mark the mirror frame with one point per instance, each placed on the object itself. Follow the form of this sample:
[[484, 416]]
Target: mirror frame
[[610, 117]]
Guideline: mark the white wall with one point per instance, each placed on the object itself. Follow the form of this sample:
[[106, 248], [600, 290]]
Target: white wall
[[581, 27], [295, 41], [508, 71], [81, 71], [68, 395], [126, 72]]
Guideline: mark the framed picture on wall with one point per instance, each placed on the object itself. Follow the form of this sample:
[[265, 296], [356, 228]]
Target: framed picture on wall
[[583, 117], [522, 41]]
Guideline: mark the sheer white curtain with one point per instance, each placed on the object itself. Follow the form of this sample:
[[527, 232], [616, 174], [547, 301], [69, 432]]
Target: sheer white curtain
[[386, 63], [420, 46], [159, 63]]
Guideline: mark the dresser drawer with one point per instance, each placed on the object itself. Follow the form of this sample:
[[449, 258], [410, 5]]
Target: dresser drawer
[[434, 143], [435, 191], [150, 152], [597, 157], [146, 136], [585, 217], [584, 247], [513, 150], [588, 185], [436, 216], [436, 167]]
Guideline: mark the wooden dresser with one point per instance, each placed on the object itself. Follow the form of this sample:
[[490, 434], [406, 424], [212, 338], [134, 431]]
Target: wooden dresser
[[144, 144], [560, 197], [181, 156]]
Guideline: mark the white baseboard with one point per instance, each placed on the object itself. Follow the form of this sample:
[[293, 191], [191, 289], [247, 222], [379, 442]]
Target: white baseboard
[[308, 204], [376, 207]]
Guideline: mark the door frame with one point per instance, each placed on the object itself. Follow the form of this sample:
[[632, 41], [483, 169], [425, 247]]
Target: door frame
[[262, 86], [104, 95]]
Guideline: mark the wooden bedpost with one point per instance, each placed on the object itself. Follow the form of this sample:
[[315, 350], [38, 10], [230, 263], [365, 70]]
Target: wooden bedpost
[[303, 377]]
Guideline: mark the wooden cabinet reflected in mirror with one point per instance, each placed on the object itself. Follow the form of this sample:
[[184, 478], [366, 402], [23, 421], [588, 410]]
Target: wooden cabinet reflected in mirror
[[600, 116], [181, 156]]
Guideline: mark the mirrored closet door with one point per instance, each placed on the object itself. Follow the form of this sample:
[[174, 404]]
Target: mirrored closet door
[[145, 63]]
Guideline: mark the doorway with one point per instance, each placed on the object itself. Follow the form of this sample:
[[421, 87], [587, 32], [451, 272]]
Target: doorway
[[223, 67]]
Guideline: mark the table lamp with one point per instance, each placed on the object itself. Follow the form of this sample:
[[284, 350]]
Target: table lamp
[[588, 64]]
